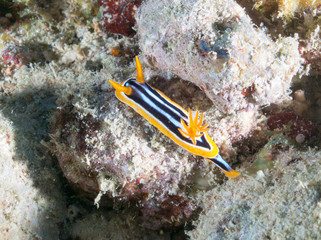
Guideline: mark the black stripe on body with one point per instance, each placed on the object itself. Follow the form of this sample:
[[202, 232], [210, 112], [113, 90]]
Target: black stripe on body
[[160, 108], [220, 162]]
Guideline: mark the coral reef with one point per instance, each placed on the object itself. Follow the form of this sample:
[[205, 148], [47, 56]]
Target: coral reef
[[267, 205], [292, 18], [16, 55], [310, 47], [287, 8], [34, 193], [76, 163], [28, 209], [108, 152], [105, 225], [296, 127], [214, 45]]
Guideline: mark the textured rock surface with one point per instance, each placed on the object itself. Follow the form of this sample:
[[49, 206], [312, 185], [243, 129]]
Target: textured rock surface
[[214, 45], [57, 50], [286, 8], [27, 210], [110, 153], [296, 127], [118, 16], [105, 225], [267, 205]]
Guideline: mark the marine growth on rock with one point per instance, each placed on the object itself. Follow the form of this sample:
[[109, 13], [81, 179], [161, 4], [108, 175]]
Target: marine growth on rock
[[118, 16], [214, 45], [109, 156]]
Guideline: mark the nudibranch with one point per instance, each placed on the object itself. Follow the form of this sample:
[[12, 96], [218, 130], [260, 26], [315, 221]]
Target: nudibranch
[[170, 118]]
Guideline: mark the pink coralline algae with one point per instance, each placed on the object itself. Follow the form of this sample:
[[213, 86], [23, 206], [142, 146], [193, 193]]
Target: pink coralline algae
[[17, 55], [12, 61], [296, 127], [119, 16], [312, 57], [13, 58]]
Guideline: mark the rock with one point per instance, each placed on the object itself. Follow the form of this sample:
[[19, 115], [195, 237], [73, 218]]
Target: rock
[[111, 155], [267, 205], [214, 45], [296, 127], [118, 16]]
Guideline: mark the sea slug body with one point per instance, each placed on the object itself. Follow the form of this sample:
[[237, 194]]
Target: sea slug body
[[170, 118]]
